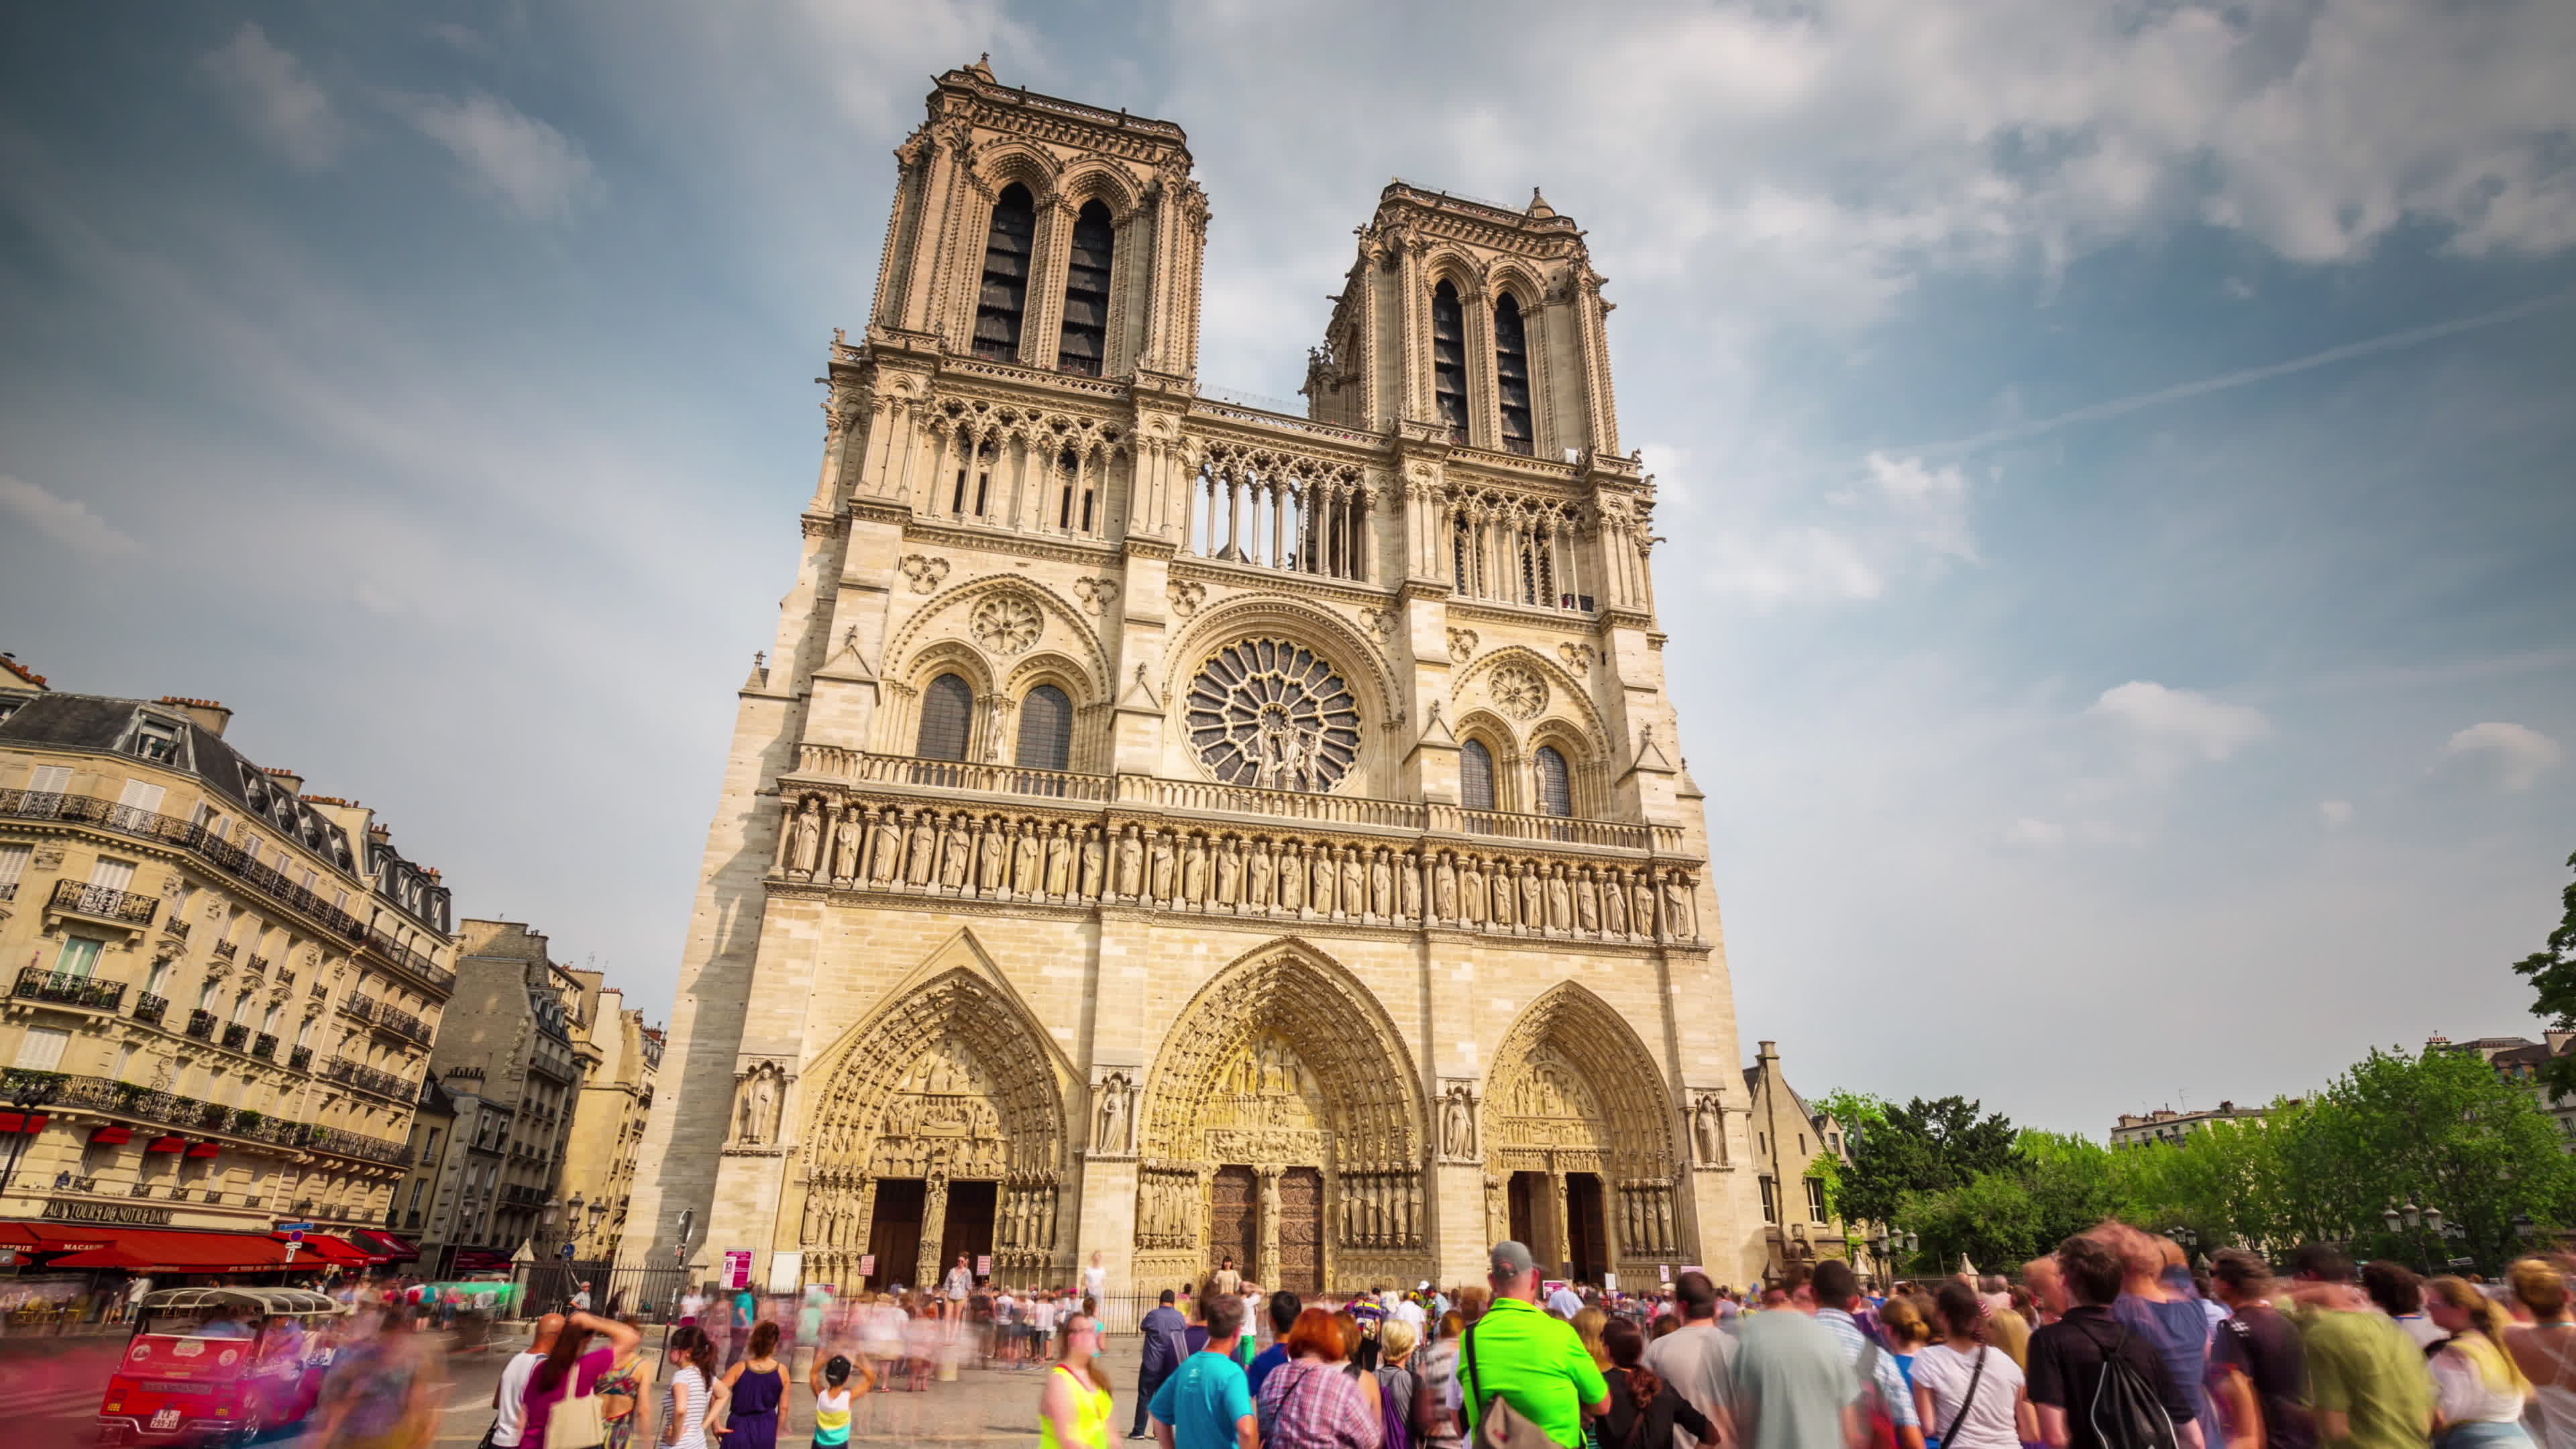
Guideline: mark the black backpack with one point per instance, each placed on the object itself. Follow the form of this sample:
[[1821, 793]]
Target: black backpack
[[2127, 1412]]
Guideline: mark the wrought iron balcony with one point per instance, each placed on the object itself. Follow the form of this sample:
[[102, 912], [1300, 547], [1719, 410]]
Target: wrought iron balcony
[[300, 1058], [73, 1182], [98, 903], [386, 1017], [35, 983], [140, 1189], [226, 950], [148, 1007], [236, 1035], [350, 1144], [366, 1078], [264, 1047], [259, 963], [176, 926], [201, 1025]]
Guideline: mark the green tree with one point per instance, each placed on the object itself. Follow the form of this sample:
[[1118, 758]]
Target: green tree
[[1921, 1147], [2553, 984], [1857, 1114]]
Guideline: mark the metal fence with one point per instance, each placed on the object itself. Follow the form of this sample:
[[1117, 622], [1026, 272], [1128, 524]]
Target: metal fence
[[651, 1293]]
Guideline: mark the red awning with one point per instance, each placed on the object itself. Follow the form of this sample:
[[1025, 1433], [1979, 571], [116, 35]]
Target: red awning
[[168, 1144], [205, 1149], [394, 1248], [12, 1122], [167, 1250], [323, 1248], [111, 1136]]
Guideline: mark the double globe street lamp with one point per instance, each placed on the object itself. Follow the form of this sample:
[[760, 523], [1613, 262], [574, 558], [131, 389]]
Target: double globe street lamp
[[1890, 1241]]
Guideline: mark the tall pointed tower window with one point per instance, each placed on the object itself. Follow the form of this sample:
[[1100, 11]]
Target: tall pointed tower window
[[1449, 358], [1006, 275], [1085, 348], [1512, 374], [1555, 784], [1046, 729]]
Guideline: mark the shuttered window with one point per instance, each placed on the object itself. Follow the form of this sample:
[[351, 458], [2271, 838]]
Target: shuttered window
[[1046, 730], [1512, 374], [1006, 275], [947, 712], [1476, 776], [1555, 787], [1085, 347]]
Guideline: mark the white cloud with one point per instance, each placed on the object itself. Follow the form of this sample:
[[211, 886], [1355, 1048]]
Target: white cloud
[[542, 173], [275, 98], [2335, 813], [1932, 503], [2029, 834], [2500, 756], [67, 521], [2167, 728], [1804, 564]]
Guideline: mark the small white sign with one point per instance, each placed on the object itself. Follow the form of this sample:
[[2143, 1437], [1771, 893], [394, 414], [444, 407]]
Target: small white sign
[[786, 1270]]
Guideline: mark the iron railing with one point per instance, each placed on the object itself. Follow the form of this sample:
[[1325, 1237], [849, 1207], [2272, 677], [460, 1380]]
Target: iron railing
[[236, 1035], [300, 1058], [366, 1078], [259, 964], [201, 1025], [226, 950], [264, 1047], [35, 983], [391, 1018], [99, 903], [150, 1008]]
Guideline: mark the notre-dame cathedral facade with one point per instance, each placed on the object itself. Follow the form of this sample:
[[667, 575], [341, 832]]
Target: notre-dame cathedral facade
[[1180, 829]]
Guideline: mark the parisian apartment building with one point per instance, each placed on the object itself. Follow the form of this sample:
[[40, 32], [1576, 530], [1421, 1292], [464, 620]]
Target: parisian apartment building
[[222, 990]]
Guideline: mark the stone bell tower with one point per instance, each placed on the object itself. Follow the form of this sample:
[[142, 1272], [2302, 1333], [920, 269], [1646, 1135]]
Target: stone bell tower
[[1179, 830]]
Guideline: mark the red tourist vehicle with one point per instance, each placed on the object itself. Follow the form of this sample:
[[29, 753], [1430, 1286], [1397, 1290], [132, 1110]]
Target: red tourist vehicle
[[218, 1366]]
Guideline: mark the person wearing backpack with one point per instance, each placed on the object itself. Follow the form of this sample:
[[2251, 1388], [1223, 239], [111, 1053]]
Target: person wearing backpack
[[2098, 1383]]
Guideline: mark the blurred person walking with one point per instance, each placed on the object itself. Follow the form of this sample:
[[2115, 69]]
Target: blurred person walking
[[1074, 1408], [2478, 1392], [1697, 1358], [2365, 1376], [692, 1387], [385, 1389], [2545, 1350], [2088, 1362], [1645, 1411]]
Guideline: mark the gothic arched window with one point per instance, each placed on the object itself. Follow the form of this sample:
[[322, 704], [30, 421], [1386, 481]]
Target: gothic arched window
[[1476, 776], [1555, 785], [1512, 374], [1085, 348], [1006, 275], [1046, 729], [947, 715], [1449, 358]]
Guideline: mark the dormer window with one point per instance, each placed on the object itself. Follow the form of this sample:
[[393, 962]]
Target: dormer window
[[157, 740]]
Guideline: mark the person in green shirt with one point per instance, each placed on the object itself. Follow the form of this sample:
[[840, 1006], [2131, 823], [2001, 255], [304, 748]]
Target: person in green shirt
[[2366, 1378], [1527, 1358]]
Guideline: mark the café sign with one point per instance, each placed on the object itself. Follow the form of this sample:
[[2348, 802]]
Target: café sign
[[125, 1214]]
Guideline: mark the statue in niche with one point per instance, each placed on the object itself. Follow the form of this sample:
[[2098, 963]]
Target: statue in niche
[[807, 840], [1641, 896], [1320, 889], [1257, 877], [1229, 872], [1708, 1129], [989, 858], [1354, 881], [1408, 886], [1560, 900], [1059, 862], [1292, 879], [954, 855], [1131, 864], [1382, 883], [1458, 1123], [1587, 904], [1506, 896], [1444, 889], [756, 1117], [1194, 866], [845, 848], [1091, 862], [885, 846], [1614, 903], [1024, 860], [1162, 872], [918, 868], [1117, 1110], [1677, 905], [1471, 891], [1533, 909]]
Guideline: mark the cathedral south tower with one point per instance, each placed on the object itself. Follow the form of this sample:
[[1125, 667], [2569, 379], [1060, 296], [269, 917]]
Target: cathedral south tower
[[1184, 831]]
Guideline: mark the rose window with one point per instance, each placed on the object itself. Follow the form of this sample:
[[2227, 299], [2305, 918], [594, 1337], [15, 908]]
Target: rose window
[[1269, 714], [1006, 623], [1521, 693]]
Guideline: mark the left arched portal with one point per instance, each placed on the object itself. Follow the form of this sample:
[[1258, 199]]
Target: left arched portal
[[941, 1129]]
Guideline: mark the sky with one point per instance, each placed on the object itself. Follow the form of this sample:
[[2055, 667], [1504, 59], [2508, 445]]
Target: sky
[[2114, 459]]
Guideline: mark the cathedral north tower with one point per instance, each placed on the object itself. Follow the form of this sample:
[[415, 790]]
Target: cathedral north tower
[[1182, 830]]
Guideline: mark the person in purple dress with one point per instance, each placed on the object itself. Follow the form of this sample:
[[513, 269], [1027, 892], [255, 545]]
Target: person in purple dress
[[754, 1391]]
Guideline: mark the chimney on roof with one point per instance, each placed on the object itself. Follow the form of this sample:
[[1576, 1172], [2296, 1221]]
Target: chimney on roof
[[206, 714], [2225, 1105], [293, 782]]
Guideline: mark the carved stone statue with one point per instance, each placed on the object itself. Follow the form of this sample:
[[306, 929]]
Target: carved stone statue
[[1381, 883], [807, 840], [1507, 896], [1131, 864], [1059, 862], [953, 855], [1259, 876], [990, 861], [1320, 888], [1614, 903], [1354, 881], [1091, 862], [1444, 889], [1641, 897], [1471, 891], [1708, 1129], [845, 848], [1229, 873], [1587, 904], [1024, 860], [1677, 906], [1194, 872], [885, 847], [1533, 908], [1408, 886], [1458, 1124], [1560, 900], [922, 862], [756, 1118], [1163, 872], [1292, 878]]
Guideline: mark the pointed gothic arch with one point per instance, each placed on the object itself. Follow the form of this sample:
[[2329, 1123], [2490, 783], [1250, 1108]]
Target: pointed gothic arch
[[1575, 1094], [950, 1080], [1284, 1068]]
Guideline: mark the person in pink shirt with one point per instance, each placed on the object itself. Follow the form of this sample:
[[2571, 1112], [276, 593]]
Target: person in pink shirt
[[588, 1347]]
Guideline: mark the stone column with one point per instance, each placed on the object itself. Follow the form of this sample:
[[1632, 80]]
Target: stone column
[[1265, 1267]]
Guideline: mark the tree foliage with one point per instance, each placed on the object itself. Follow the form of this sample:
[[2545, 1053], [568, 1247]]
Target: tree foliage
[[2553, 984], [1934, 1146], [2440, 1130]]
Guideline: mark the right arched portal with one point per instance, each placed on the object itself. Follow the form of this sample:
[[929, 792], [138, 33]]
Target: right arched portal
[[1579, 1157]]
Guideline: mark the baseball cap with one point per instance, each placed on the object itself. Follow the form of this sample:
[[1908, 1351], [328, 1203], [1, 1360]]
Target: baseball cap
[[1512, 1257]]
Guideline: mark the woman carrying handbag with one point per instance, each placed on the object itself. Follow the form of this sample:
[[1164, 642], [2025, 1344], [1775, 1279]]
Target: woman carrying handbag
[[562, 1408]]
